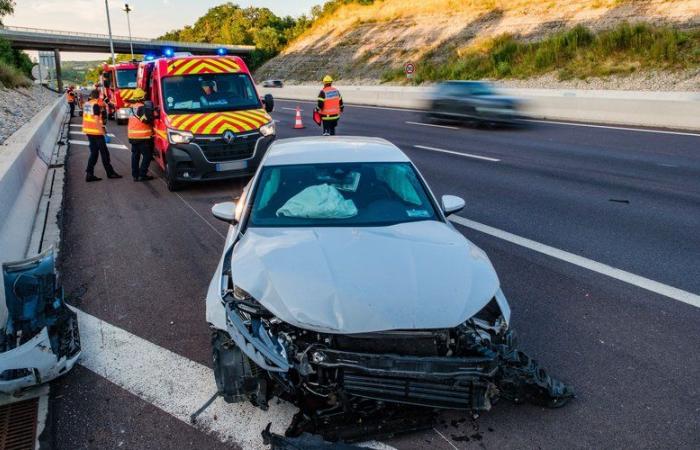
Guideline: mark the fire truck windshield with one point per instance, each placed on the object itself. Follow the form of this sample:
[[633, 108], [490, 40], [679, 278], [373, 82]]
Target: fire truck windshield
[[126, 78], [209, 93]]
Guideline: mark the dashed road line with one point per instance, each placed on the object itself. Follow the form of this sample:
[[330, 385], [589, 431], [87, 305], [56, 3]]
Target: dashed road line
[[119, 146], [80, 133], [611, 127], [451, 152], [603, 269], [432, 125]]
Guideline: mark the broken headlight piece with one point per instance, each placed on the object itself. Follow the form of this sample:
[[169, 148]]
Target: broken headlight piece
[[245, 302]]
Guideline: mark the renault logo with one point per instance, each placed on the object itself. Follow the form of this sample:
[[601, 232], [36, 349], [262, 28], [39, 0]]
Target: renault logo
[[229, 136]]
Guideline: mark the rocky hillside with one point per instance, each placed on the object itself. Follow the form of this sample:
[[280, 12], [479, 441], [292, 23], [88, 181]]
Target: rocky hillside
[[18, 106], [367, 43]]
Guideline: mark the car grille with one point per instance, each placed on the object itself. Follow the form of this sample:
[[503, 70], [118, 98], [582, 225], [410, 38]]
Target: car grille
[[469, 395], [218, 150], [413, 344]]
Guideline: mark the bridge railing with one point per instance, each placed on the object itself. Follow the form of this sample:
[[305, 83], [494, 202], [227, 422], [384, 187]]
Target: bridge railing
[[28, 30]]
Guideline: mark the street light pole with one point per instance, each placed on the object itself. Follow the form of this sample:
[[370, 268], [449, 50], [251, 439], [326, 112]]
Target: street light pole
[[109, 28], [128, 23]]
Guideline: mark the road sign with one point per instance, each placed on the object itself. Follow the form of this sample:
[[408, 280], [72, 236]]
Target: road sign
[[409, 69]]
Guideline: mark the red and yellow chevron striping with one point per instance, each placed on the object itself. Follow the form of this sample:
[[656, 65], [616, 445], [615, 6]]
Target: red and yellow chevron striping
[[219, 122], [126, 94], [202, 65]]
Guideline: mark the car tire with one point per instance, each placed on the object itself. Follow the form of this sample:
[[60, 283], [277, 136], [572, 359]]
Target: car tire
[[170, 181]]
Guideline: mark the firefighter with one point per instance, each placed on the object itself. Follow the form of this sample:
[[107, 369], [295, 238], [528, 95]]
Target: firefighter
[[94, 117], [330, 106], [70, 96], [140, 132]]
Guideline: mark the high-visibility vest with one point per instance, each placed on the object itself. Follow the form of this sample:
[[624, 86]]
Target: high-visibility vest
[[138, 129], [331, 103], [92, 124], [71, 97]]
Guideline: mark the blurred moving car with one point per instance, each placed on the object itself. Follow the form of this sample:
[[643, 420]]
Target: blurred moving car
[[471, 101], [273, 83]]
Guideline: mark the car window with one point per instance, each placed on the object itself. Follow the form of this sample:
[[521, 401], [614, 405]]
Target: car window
[[340, 194]]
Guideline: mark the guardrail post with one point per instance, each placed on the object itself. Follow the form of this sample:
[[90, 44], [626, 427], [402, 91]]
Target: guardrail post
[[59, 79]]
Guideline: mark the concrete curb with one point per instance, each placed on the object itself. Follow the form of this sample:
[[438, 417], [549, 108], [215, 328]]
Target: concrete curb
[[633, 108]]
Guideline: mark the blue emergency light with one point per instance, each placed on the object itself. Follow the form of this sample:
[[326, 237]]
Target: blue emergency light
[[149, 57], [221, 51], [168, 52]]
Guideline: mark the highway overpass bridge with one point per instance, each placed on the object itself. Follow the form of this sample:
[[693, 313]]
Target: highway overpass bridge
[[68, 41]]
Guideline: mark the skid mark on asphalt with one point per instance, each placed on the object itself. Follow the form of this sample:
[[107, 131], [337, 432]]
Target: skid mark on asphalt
[[604, 269], [177, 385]]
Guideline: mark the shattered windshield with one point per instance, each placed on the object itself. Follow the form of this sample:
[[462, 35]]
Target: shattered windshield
[[340, 194]]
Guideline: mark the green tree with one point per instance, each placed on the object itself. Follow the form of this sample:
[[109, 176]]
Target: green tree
[[7, 7]]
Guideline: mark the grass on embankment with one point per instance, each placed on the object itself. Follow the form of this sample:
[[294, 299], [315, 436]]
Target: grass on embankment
[[11, 77], [576, 53]]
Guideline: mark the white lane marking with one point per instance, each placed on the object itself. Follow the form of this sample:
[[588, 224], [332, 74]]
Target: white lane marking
[[446, 440], [80, 133], [432, 125], [119, 146], [173, 383], [603, 269], [76, 125], [466, 155], [611, 127], [292, 109]]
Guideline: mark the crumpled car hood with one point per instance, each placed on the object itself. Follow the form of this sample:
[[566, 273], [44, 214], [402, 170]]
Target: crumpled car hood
[[419, 275]]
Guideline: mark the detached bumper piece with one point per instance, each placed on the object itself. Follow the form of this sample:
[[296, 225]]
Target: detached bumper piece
[[40, 338]]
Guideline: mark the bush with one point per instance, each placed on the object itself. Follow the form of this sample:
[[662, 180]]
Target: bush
[[12, 77]]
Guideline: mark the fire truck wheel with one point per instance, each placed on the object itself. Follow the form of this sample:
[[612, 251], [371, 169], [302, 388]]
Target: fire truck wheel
[[173, 184]]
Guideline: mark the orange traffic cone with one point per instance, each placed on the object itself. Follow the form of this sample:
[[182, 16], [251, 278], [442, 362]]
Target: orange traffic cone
[[297, 120]]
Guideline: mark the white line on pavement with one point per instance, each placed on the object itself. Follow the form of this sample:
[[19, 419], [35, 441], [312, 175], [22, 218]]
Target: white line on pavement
[[173, 383], [177, 385], [119, 146], [604, 269], [432, 125], [610, 127], [80, 133], [291, 109], [359, 106], [76, 125], [466, 155]]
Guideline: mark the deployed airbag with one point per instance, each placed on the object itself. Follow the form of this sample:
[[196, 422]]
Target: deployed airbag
[[322, 201]]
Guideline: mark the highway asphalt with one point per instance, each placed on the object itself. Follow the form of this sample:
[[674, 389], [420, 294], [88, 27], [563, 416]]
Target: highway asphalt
[[140, 258]]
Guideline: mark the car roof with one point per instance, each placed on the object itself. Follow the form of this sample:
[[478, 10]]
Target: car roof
[[332, 149]]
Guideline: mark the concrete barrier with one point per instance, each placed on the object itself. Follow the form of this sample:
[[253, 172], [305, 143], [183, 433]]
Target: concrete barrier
[[637, 108], [24, 163]]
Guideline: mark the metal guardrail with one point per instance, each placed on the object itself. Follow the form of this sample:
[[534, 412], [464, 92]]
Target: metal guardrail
[[136, 40]]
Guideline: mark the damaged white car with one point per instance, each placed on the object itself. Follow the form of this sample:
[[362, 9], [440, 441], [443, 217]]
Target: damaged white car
[[343, 288]]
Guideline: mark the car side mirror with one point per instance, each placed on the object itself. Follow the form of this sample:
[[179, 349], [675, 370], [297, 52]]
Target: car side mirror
[[225, 211], [452, 204], [269, 102]]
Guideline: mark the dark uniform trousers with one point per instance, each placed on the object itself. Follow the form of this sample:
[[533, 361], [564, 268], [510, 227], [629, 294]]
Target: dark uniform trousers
[[141, 156], [329, 126], [98, 147]]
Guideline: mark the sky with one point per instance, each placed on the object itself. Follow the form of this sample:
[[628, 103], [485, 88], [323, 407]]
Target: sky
[[149, 18]]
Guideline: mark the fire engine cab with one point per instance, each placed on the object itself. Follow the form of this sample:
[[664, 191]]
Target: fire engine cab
[[119, 81], [210, 122]]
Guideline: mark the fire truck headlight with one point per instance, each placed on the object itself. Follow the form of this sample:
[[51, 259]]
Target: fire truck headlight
[[268, 129], [179, 137]]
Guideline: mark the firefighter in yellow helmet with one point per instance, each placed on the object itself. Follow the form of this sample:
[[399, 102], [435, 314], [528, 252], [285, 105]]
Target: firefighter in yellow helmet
[[330, 106], [140, 133]]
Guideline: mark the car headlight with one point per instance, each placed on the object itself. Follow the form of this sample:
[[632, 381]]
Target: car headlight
[[245, 302], [268, 129], [179, 137]]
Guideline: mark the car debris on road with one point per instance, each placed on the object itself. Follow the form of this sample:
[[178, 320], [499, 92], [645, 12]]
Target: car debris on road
[[40, 339]]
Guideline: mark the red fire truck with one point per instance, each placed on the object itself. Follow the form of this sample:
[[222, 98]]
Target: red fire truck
[[210, 121], [119, 81]]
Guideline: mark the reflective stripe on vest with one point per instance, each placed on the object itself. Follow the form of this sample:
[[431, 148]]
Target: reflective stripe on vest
[[138, 129], [331, 104], [92, 124]]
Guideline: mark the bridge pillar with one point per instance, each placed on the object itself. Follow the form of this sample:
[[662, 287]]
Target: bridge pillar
[[59, 79]]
